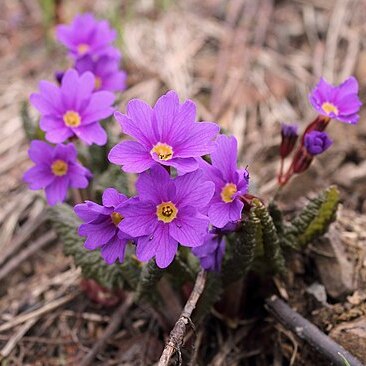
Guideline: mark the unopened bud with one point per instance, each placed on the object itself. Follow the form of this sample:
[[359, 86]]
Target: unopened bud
[[289, 137]]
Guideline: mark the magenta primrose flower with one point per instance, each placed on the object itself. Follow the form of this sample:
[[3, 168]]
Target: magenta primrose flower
[[56, 170], [211, 252], [101, 226], [230, 182], [105, 70], [87, 35], [168, 212], [317, 142], [73, 108], [340, 102], [166, 134]]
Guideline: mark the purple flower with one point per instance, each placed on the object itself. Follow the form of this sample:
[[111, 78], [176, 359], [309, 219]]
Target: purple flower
[[230, 182], [101, 226], [317, 142], [73, 108], [56, 170], [58, 76], [168, 212], [106, 72], [340, 102], [289, 137], [211, 252], [166, 134], [86, 35]]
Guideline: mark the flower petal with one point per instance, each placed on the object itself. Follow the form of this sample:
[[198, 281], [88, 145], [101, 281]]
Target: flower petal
[[59, 135], [97, 234], [224, 158], [139, 218], [40, 152], [199, 140], [138, 122], [189, 228], [114, 250], [99, 107], [132, 156], [57, 190], [165, 110], [91, 133], [38, 177], [90, 211], [155, 185], [193, 190], [221, 213], [112, 198], [160, 245], [183, 166]]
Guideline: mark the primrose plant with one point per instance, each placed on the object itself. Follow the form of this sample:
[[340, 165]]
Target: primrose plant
[[169, 198]]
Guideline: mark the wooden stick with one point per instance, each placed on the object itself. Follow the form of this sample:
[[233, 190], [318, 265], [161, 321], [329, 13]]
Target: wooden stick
[[307, 331], [112, 327], [177, 333]]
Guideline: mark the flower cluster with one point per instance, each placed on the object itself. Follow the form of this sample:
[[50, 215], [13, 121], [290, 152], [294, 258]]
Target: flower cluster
[[74, 109], [89, 43], [331, 102], [190, 191], [181, 199]]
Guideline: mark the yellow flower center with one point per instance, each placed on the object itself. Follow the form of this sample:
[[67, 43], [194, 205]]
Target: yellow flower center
[[166, 212], [228, 191], [164, 151], [116, 218], [72, 119], [59, 168], [97, 83], [83, 48], [329, 108]]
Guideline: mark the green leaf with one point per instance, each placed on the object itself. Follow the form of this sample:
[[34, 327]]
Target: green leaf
[[65, 222], [149, 277], [210, 295], [242, 249], [271, 243], [277, 217], [113, 177], [180, 272], [314, 219], [30, 127]]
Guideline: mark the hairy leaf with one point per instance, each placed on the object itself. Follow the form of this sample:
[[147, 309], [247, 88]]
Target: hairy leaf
[[277, 217], [149, 277], [247, 242], [314, 219], [113, 177], [210, 295], [65, 222], [271, 243], [30, 127]]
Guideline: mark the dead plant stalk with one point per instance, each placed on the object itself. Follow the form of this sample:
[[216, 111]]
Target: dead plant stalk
[[177, 333]]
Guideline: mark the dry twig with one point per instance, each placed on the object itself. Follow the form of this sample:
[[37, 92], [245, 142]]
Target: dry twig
[[307, 331], [26, 253], [112, 327], [13, 341], [177, 333], [37, 313]]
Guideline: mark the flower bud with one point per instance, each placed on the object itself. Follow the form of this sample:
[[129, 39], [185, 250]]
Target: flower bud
[[317, 142], [289, 137]]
